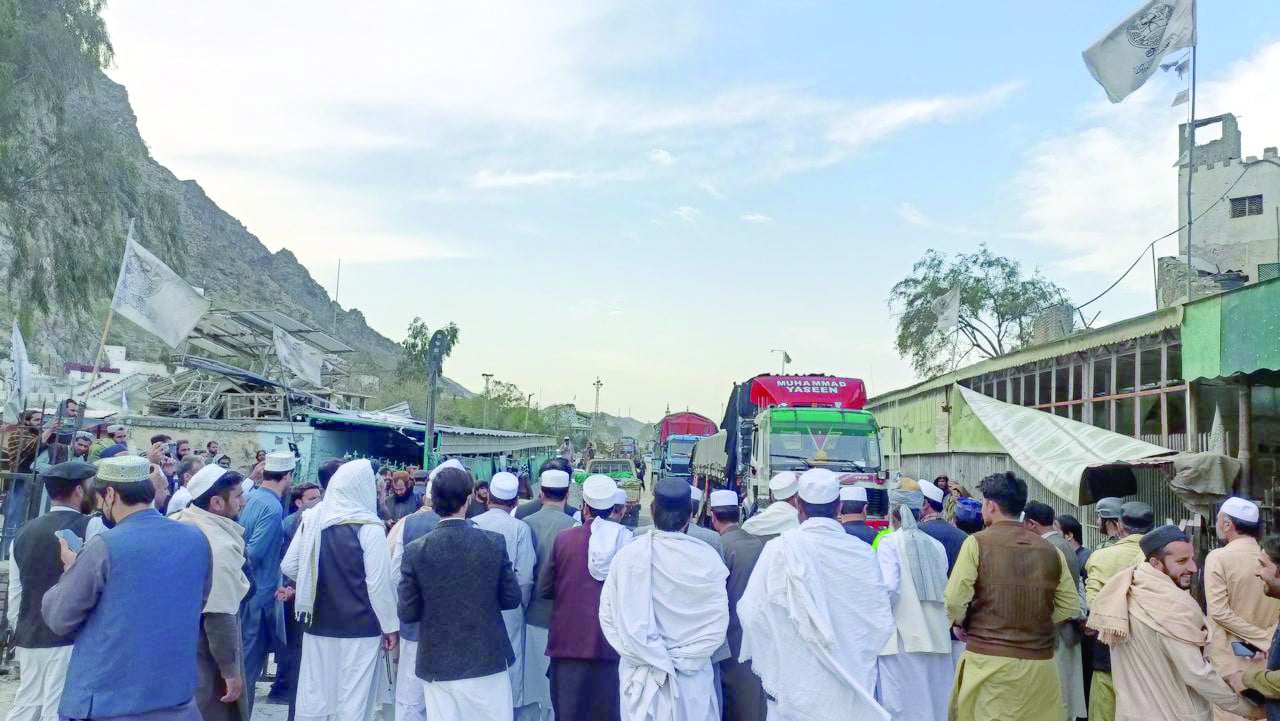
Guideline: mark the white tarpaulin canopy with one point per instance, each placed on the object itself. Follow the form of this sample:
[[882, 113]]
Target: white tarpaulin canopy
[[1058, 452]]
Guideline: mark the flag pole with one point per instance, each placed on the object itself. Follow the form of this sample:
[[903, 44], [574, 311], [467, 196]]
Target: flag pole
[[1191, 142], [106, 327]]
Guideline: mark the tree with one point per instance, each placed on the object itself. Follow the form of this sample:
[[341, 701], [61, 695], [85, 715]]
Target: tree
[[416, 346], [997, 305], [67, 169]]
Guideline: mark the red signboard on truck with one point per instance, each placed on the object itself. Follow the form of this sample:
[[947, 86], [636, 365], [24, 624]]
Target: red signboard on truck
[[808, 392], [685, 424]]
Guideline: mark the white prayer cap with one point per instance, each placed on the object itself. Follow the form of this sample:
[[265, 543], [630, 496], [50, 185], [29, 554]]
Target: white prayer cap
[[114, 429], [504, 486], [724, 499], [619, 497], [451, 463], [695, 494], [245, 486], [818, 485], [553, 478], [930, 491], [124, 469], [857, 494], [203, 480], [598, 491], [1237, 508], [280, 462], [783, 485]]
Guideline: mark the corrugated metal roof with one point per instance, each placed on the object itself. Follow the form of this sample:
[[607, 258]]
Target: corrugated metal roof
[[387, 420], [1127, 329]]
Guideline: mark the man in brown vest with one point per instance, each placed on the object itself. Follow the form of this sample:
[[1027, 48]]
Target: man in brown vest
[[1007, 592]]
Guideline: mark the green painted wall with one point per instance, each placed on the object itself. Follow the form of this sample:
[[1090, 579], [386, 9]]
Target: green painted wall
[[1232, 333], [923, 424]]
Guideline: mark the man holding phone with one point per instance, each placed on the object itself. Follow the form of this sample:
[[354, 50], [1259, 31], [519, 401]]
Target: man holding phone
[[35, 567]]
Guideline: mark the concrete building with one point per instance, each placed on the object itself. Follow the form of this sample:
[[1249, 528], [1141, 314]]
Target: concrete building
[[1235, 202]]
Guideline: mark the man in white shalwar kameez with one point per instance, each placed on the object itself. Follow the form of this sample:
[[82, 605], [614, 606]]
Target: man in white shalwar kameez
[[499, 519], [665, 610], [351, 619], [816, 615], [781, 514], [916, 666]]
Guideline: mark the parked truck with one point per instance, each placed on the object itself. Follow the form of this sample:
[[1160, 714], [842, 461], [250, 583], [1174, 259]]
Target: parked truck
[[676, 435], [778, 423]]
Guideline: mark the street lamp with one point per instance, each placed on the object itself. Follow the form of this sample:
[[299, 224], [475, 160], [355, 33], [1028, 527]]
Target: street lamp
[[484, 423], [528, 403], [595, 413]]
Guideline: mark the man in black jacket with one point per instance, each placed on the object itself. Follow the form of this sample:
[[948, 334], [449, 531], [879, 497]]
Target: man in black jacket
[[34, 567], [456, 581]]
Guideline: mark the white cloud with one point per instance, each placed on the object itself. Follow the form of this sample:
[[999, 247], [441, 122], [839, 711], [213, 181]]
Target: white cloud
[[687, 213], [659, 156], [756, 218], [489, 180], [710, 189], [911, 215], [1102, 192]]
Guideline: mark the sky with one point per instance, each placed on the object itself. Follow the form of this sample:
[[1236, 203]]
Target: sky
[[661, 193]]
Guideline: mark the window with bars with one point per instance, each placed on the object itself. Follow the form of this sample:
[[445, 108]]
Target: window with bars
[[1246, 205]]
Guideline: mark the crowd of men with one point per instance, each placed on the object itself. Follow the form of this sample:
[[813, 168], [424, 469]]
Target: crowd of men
[[466, 604]]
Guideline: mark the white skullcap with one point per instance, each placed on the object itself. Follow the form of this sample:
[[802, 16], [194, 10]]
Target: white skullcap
[[930, 491], [857, 494], [724, 499], [504, 486], [114, 428], [619, 497], [451, 463], [818, 485], [204, 479], [1241, 509], [124, 469], [553, 479], [280, 462], [598, 491], [783, 485], [695, 494], [245, 486]]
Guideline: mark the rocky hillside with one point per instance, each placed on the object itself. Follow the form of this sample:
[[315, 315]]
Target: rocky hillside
[[214, 251]]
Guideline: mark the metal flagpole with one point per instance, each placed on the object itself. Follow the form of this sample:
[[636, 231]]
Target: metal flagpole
[[106, 327], [1191, 144]]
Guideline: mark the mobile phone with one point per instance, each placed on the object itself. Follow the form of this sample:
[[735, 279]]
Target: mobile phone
[[1244, 649], [74, 542]]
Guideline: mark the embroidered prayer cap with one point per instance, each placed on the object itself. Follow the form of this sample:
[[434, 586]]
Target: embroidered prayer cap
[[204, 479], [1155, 541], [931, 491], [1240, 509], [670, 492], [114, 428], [1109, 507], [83, 436], [857, 494], [280, 462], [451, 463], [818, 486], [71, 471], [124, 469], [724, 499], [598, 491], [784, 485], [504, 486], [1137, 515], [554, 478]]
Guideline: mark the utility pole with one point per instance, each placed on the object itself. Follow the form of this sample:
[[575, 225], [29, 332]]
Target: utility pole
[[337, 283], [485, 422], [596, 412], [528, 403]]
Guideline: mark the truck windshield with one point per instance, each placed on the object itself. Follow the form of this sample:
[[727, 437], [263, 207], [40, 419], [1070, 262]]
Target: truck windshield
[[801, 446], [680, 448], [610, 468]]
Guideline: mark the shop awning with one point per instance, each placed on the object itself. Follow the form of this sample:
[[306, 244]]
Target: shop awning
[[1075, 461], [1233, 333]]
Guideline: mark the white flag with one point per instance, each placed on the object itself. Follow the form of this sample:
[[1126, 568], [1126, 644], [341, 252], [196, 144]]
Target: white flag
[[153, 296], [297, 358], [1123, 59], [18, 380], [947, 308], [1179, 99]]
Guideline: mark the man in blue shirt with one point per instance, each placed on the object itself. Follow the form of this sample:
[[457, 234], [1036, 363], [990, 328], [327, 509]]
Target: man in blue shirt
[[262, 615]]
